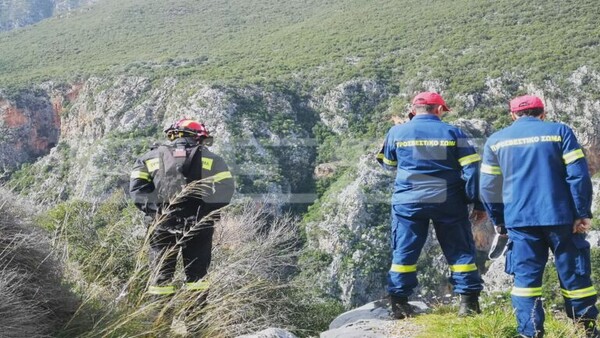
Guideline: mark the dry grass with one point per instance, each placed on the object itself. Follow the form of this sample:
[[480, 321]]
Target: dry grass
[[104, 247], [254, 254], [34, 300]]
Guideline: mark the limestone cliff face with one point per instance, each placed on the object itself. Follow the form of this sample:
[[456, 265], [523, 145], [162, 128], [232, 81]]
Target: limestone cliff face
[[101, 125], [29, 128], [573, 101], [353, 229], [579, 109], [349, 102], [596, 202], [82, 139]]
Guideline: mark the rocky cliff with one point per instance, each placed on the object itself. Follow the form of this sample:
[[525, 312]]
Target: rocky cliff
[[105, 123], [30, 127], [79, 140]]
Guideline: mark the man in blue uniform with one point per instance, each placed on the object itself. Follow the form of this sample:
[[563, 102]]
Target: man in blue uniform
[[535, 184], [437, 177]]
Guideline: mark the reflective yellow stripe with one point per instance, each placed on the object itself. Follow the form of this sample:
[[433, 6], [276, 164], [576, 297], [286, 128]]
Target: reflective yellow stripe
[[526, 292], [390, 162], [207, 163], [220, 176], [490, 169], [463, 267], [581, 293], [141, 175], [381, 157], [161, 290], [152, 164], [573, 155], [201, 285], [469, 159], [403, 268]]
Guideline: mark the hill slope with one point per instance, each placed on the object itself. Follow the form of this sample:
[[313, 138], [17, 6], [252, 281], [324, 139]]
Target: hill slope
[[462, 41]]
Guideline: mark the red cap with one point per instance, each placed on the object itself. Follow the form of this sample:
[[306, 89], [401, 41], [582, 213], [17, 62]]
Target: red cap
[[525, 102], [426, 98]]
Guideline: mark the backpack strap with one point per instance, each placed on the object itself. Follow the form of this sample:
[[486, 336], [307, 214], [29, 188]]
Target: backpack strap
[[185, 168]]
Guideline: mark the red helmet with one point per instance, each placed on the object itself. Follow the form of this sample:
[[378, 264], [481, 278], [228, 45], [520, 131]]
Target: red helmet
[[187, 128]]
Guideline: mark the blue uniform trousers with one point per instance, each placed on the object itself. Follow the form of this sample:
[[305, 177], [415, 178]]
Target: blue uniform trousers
[[410, 224], [526, 258]]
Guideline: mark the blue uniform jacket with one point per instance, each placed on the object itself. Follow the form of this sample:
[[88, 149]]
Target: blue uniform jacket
[[435, 162], [534, 173]]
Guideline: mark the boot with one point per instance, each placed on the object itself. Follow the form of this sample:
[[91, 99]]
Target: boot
[[591, 331], [469, 305], [400, 307]]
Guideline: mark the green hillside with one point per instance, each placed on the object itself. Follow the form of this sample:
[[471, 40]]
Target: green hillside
[[257, 40]]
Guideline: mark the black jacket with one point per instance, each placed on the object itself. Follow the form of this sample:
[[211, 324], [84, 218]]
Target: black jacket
[[205, 170]]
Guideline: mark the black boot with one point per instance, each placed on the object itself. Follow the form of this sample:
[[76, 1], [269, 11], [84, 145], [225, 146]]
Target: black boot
[[400, 307], [469, 305], [591, 331]]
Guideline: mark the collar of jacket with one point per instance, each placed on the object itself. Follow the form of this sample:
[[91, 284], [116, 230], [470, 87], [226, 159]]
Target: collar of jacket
[[425, 117], [184, 142], [527, 119]]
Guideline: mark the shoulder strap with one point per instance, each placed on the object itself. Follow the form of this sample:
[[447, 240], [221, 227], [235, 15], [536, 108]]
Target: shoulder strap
[[188, 161]]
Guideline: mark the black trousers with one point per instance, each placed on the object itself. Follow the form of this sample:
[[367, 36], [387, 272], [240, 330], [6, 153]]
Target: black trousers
[[194, 243]]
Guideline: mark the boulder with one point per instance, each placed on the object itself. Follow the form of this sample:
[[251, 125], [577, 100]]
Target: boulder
[[371, 320]]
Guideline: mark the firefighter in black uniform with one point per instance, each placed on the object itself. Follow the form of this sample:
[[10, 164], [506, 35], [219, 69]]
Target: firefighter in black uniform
[[181, 186]]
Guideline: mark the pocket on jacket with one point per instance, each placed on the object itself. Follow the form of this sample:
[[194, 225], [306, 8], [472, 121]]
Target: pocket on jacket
[[508, 264], [582, 260]]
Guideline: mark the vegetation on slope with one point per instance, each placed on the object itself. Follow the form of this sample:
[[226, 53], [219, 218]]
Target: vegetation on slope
[[496, 321], [460, 42]]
